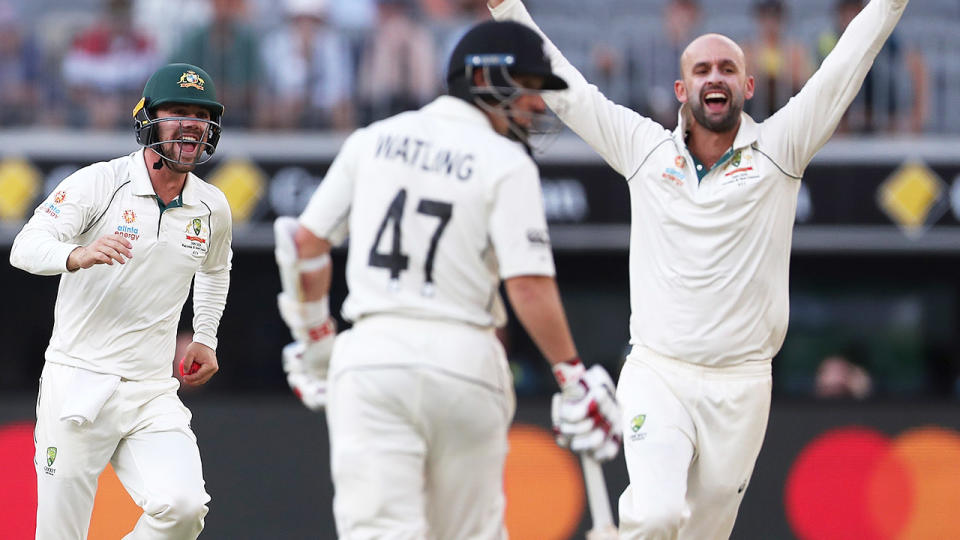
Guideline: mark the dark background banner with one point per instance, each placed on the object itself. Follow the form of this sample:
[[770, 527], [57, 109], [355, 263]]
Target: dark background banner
[[266, 466], [584, 191]]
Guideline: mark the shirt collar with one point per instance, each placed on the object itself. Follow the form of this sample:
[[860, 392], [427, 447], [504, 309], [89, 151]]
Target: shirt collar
[[454, 107], [143, 186]]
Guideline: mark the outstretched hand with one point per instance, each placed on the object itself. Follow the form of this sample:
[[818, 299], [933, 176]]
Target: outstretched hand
[[103, 250], [198, 364]]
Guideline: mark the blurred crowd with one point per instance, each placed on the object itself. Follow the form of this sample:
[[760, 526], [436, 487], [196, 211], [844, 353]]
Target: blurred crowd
[[291, 64], [782, 52], [338, 64]]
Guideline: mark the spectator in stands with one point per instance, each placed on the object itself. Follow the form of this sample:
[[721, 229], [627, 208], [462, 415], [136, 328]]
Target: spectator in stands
[[656, 65], [839, 377], [888, 101], [106, 67], [398, 70], [465, 14], [19, 70], [168, 22], [779, 64], [229, 50], [308, 70], [355, 19]]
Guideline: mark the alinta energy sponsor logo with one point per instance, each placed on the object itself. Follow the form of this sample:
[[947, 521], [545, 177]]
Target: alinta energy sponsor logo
[[128, 232], [53, 208], [678, 174]]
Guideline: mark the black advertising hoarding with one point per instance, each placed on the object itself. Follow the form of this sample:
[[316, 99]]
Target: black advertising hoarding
[[841, 204]]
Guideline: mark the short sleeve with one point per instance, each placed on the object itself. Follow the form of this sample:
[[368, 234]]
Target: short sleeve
[[326, 215], [518, 224]]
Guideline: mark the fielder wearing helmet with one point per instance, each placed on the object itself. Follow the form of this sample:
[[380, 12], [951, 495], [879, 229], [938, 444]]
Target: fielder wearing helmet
[[496, 63], [187, 144]]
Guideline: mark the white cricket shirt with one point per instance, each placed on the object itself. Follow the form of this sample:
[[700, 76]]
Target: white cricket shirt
[[122, 318], [709, 259], [438, 208]]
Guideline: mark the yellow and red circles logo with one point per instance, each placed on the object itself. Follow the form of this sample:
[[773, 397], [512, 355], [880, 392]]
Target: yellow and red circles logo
[[856, 482], [59, 197], [129, 216]]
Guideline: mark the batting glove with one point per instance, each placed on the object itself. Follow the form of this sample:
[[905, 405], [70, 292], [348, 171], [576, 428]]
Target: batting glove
[[585, 413], [306, 365]]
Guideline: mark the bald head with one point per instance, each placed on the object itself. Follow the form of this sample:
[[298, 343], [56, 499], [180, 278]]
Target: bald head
[[715, 84], [708, 47]]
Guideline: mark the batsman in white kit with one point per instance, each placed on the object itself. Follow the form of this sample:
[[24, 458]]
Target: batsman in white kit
[[713, 207], [128, 237], [439, 205]]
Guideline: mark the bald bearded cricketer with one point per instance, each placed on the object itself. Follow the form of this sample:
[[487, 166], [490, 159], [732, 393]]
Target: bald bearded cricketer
[[713, 207]]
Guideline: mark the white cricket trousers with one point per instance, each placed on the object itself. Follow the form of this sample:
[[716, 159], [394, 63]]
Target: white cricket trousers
[[691, 438], [418, 438], [143, 430]]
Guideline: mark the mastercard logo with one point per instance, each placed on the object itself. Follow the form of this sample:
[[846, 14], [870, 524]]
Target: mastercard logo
[[542, 484], [859, 483], [114, 512]]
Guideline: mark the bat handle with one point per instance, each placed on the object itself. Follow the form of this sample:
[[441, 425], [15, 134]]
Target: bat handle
[[597, 496]]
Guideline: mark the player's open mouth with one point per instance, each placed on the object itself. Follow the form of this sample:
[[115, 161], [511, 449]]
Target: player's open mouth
[[715, 101], [189, 147]]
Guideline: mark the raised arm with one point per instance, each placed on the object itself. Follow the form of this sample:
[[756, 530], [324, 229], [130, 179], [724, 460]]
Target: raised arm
[[805, 124], [615, 132]]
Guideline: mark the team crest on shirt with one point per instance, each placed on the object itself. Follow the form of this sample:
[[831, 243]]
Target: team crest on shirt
[[739, 171], [636, 424], [51, 457], [195, 237]]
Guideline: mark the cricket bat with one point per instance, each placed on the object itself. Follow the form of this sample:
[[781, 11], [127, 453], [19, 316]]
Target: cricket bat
[[599, 501]]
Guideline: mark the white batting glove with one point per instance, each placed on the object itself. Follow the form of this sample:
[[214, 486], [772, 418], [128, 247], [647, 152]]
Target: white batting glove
[[306, 365], [585, 413]]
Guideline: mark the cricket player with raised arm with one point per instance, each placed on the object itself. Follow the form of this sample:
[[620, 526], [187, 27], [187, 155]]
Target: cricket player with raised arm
[[713, 207], [440, 204], [127, 237]]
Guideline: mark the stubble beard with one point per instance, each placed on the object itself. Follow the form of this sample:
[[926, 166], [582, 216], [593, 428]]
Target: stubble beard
[[717, 125], [169, 152]]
